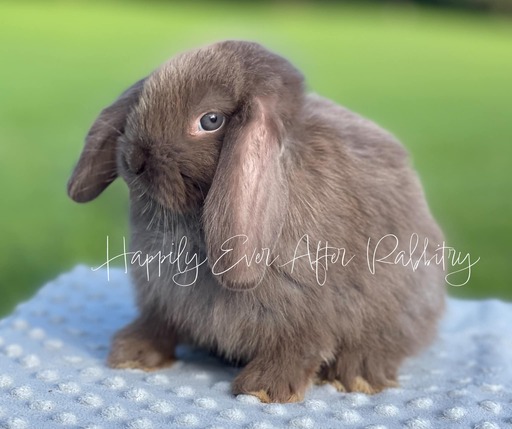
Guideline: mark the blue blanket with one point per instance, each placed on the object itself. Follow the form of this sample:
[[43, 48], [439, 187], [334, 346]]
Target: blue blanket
[[53, 373]]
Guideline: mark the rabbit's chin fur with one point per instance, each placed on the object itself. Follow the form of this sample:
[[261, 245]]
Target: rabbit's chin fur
[[288, 177]]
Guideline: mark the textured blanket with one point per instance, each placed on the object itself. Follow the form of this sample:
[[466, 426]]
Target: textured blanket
[[53, 373]]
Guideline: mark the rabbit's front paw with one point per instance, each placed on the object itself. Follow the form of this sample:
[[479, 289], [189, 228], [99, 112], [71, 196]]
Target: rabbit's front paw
[[357, 384], [271, 382], [133, 348], [359, 372]]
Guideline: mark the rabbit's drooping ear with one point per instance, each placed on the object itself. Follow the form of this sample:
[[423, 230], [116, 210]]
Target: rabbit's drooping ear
[[245, 206], [96, 168]]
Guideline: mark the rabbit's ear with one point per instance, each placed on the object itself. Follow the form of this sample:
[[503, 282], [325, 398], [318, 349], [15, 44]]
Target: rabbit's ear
[[245, 207], [96, 168]]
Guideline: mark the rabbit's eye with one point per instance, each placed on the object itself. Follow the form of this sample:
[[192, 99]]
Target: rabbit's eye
[[211, 121]]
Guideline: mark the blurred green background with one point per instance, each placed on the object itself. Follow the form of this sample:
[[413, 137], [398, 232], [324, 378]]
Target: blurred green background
[[440, 79]]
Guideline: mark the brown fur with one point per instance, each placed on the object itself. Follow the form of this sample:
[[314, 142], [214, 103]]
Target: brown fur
[[285, 164]]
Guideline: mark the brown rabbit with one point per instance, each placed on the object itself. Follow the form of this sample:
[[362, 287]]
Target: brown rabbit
[[286, 226]]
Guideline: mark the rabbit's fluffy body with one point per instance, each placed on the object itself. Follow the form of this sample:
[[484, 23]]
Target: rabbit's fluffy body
[[286, 172]]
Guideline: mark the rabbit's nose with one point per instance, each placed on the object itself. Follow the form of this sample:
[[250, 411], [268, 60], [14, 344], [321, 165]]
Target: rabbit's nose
[[137, 160]]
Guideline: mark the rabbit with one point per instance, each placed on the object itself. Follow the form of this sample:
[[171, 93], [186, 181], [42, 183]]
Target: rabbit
[[297, 226]]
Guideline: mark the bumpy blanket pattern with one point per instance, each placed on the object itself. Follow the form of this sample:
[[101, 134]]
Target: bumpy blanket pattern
[[53, 373]]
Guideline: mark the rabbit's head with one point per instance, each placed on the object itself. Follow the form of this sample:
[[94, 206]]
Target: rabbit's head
[[204, 133]]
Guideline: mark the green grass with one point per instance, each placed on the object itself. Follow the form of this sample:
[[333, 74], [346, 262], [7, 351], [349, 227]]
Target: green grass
[[440, 81]]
